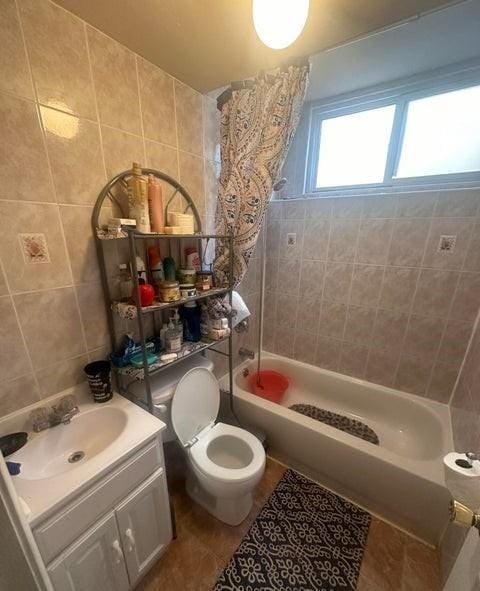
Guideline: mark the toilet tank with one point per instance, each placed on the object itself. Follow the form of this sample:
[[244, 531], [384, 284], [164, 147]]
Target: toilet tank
[[163, 386]]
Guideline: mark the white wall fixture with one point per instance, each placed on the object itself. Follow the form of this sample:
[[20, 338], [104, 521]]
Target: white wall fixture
[[278, 23]]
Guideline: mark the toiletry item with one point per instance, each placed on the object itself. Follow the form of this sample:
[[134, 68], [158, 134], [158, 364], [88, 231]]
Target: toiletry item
[[141, 270], [219, 323], [125, 283], [192, 258], [147, 293], [169, 291], [218, 333], [12, 442], [204, 280], [163, 331], [187, 290], [462, 478], [184, 221], [172, 230], [169, 269], [191, 322], [167, 357], [155, 264], [119, 222], [187, 276], [137, 360], [177, 321], [99, 380], [173, 338], [138, 199], [14, 468], [155, 205]]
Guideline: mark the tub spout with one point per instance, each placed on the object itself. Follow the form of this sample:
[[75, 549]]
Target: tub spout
[[246, 353]]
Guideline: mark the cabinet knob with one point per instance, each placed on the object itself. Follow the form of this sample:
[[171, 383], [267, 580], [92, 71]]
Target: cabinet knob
[[130, 539], [118, 552]]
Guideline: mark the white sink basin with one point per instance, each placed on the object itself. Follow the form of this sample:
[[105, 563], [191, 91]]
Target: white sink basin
[[66, 447]]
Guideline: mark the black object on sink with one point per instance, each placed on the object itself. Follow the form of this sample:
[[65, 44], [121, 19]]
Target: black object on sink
[[11, 443]]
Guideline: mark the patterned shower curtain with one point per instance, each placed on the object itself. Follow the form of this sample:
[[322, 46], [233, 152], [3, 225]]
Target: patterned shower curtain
[[258, 121]]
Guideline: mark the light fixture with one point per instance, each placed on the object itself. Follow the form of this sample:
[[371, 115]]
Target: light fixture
[[279, 22]]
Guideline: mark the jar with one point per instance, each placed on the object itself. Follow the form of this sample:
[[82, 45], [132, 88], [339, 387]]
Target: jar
[[187, 276], [204, 280], [169, 291], [187, 290]]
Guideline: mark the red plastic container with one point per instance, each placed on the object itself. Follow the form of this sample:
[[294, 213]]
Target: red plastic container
[[272, 385]]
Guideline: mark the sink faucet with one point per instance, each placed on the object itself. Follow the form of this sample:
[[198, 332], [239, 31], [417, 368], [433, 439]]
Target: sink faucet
[[246, 353], [62, 413]]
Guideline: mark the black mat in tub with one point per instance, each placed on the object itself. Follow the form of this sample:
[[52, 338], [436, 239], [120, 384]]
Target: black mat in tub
[[351, 426], [304, 538]]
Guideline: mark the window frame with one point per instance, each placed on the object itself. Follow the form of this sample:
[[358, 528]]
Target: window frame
[[399, 94]]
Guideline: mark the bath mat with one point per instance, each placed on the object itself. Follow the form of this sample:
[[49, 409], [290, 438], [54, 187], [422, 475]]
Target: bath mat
[[304, 538], [351, 426]]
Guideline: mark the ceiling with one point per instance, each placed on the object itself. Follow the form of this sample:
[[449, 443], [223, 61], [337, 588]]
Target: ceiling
[[209, 43]]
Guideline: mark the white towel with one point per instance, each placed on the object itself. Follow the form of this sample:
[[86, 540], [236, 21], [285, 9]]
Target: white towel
[[241, 308]]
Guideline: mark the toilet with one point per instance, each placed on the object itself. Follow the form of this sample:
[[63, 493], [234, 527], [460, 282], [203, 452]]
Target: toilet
[[225, 462]]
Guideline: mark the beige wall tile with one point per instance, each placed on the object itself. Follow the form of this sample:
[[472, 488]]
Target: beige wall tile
[[284, 342], [454, 343], [332, 319], [3, 283], [373, 241], [288, 276], [315, 243], [317, 208], [16, 394], [189, 110], [158, 103], [163, 158], [338, 278], [294, 210], [379, 207], [305, 347], [366, 285], [416, 205], [58, 57], [192, 178], [467, 297], [398, 288], [389, 330], [212, 174], [343, 240], [51, 325], [442, 382], [13, 59], [359, 325], [80, 243], [381, 366], [308, 314], [311, 277], [287, 306], [23, 159], [60, 376], [347, 207], [423, 337], [457, 204], [353, 359], [413, 375], [75, 155], [211, 127], [14, 360], [408, 242], [116, 88], [328, 353], [92, 309], [472, 259], [120, 150], [36, 218], [288, 251], [434, 292], [459, 227]]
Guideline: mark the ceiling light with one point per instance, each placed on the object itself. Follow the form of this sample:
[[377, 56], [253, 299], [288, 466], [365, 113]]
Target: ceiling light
[[279, 22]]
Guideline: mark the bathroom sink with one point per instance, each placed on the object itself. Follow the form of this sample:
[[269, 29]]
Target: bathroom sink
[[65, 447]]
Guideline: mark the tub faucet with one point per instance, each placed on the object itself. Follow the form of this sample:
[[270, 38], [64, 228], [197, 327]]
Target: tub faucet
[[62, 413], [246, 353]]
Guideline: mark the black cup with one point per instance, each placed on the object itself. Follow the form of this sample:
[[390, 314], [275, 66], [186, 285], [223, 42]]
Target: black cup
[[99, 380]]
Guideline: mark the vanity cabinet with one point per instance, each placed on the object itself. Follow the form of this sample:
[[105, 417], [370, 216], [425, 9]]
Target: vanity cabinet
[[110, 536]]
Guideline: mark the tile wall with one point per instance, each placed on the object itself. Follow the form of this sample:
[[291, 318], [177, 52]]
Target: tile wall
[[76, 108], [364, 290]]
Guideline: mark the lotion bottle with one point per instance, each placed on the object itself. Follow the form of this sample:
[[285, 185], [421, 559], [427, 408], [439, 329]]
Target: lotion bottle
[[155, 205], [138, 199]]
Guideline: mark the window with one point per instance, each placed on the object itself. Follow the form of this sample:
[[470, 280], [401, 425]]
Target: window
[[412, 137]]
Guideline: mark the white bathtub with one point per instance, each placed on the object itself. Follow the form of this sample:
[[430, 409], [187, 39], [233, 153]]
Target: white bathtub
[[401, 480]]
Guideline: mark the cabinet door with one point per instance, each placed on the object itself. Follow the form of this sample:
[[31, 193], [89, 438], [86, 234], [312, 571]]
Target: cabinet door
[[145, 525], [94, 563]]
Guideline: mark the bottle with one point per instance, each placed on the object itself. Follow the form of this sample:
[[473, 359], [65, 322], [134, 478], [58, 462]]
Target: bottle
[[177, 321], [147, 293], [191, 324], [192, 258], [173, 339], [163, 332], [169, 269], [125, 283], [138, 199], [156, 267], [142, 273], [155, 205]]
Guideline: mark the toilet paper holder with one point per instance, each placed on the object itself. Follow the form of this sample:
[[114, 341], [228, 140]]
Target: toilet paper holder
[[464, 516]]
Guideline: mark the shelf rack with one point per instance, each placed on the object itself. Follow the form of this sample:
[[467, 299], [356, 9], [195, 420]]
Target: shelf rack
[[113, 192]]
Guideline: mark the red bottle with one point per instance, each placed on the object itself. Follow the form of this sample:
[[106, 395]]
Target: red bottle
[[147, 293]]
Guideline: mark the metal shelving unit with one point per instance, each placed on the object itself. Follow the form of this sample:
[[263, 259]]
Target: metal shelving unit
[[115, 192]]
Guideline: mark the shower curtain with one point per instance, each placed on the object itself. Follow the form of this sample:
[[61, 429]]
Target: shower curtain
[[258, 120]]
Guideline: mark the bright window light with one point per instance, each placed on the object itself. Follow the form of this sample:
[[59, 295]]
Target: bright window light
[[442, 135], [279, 22], [354, 148]]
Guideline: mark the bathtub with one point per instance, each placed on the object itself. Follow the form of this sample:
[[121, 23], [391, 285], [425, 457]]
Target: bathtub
[[401, 480]]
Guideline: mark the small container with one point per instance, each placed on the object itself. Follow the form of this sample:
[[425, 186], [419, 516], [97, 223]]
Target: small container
[[187, 276], [191, 322], [205, 279], [187, 290], [174, 338], [169, 269], [192, 258], [169, 291], [99, 380]]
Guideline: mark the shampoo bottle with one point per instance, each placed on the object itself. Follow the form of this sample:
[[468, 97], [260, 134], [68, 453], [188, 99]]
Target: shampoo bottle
[[155, 205], [138, 199]]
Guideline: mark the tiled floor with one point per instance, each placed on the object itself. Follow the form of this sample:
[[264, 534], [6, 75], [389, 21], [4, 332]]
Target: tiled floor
[[392, 561]]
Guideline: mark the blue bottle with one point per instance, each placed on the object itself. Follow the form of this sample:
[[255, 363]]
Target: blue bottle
[[191, 322]]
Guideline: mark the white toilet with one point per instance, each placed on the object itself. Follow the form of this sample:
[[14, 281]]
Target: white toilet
[[225, 463]]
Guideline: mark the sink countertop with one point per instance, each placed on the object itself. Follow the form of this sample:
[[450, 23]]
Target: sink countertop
[[44, 491]]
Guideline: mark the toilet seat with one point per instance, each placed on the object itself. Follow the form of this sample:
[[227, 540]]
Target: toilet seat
[[200, 457]]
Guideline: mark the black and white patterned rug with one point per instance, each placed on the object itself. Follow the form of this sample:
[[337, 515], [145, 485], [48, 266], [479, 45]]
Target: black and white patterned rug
[[346, 424], [305, 538]]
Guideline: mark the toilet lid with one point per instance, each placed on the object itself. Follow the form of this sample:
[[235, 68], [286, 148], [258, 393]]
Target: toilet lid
[[195, 403]]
